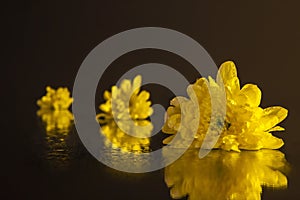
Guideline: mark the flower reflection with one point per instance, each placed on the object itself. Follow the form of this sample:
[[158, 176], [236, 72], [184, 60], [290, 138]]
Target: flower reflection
[[57, 151], [119, 138], [56, 120], [57, 125], [226, 175]]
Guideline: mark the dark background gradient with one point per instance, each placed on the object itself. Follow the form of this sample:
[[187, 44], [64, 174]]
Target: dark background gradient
[[46, 42]]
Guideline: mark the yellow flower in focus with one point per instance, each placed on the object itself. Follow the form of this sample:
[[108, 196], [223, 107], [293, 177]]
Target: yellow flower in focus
[[56, 120], [119, 138], [54, 109], [226, 175], [127, 101], [246, 125], [55, 99]]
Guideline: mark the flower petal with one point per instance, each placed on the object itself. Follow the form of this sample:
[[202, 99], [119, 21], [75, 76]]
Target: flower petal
[[107, 95], [276, 128], [174, 120], [137, 81], [271, 142], [125, 86], [143, 96], [227, 75], [252, 95], [168, 139], [272, 116]]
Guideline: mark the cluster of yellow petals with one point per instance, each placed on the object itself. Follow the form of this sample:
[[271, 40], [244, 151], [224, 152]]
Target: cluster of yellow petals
[[125, 114], [126, 102], [245, 126], [226, 175], [54, 109], [55, 99]]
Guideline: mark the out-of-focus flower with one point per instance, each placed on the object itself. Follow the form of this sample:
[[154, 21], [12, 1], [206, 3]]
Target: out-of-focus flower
[[226, 175], [246, 125], [127, 101], [54, 109], [55, 99], [119, 138]]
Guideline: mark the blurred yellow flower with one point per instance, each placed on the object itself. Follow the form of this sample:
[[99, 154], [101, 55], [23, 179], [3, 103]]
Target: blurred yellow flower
[[246, 125], [127, 101], [54, 109], [226, 175], [119, 138], [55, 99]]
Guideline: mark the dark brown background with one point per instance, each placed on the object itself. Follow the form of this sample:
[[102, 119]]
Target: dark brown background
[[46, 41]]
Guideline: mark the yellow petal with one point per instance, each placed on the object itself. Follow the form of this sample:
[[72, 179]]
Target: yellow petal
[[174, 120], [271, 142], [144, 96], [137, 81], [201, 82], [227, 70], [227, 75], [276, 128], [212, 82], [168, 139], [192, 93], [174, 102], [166, 129], [252, 95], [114, 92], [177, 101], [201, 89], [272, 116], [172, 110], [107, 95], [125, 86], [106, 107]]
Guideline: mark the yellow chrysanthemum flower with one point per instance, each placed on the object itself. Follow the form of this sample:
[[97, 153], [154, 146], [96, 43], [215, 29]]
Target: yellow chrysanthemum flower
[[127, 101], [226, 175], [55, 99], [54, 109], [119, 138], [246, 125]]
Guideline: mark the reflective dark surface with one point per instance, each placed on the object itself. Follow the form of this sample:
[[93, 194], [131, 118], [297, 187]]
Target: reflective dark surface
[[48, 40], [226, 175]]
